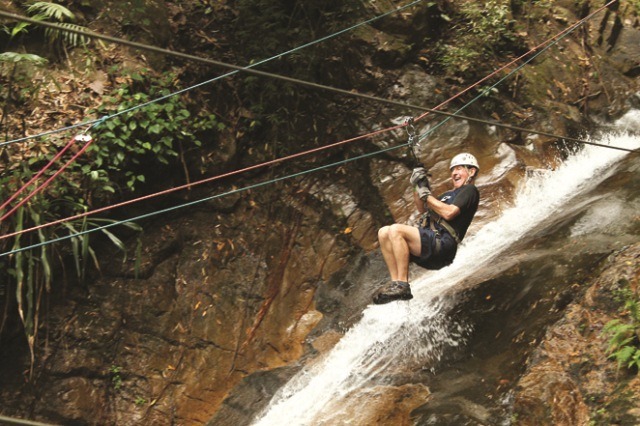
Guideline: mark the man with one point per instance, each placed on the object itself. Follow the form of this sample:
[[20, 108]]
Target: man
[[444, 223]]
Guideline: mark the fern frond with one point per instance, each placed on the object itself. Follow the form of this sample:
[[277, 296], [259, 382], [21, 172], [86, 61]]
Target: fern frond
[[624, 355], [51, 11], [71, 38]]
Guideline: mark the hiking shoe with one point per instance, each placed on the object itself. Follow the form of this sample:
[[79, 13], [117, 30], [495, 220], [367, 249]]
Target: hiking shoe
[[396, 290]]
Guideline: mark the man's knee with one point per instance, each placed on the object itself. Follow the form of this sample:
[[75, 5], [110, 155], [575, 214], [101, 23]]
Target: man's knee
[[383, 233], [395, 231]]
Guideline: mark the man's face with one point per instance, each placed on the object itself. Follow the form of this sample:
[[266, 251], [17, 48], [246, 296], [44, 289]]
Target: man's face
[[460, 175]]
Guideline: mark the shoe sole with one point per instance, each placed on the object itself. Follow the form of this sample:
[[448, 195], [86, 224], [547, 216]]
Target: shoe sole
[[378, 300]]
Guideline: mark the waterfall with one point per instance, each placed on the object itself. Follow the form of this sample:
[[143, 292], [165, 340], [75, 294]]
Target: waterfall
[[419, 331]]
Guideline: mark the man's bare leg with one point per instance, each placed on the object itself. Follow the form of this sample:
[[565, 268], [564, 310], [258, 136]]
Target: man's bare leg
[[404, 240], [397, 242], [387, 251]]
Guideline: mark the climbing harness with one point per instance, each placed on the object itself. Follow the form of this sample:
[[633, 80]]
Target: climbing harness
[[447, 227], [431, 220]]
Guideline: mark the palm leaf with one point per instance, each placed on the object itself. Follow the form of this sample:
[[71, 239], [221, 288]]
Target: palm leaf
[[50, 11], [19, 264], [15, 58], [44, 260], [75, 248], [116, 241], [72, 38]]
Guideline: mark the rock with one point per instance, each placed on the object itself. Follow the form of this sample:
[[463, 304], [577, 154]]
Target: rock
[[570, 379]]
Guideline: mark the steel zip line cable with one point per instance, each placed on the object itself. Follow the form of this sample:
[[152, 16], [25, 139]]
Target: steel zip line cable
[[293, 80], [196, 202], [15, 421]]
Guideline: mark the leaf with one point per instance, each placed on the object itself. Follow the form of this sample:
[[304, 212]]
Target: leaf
[[92, 253], [625, 354], [51, 10], [72, 38], [44, 261], [75, 247], [115, 240], [18, 28], [15, 58]]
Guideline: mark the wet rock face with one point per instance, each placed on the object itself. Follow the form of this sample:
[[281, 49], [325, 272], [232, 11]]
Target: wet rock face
[[570, 379]]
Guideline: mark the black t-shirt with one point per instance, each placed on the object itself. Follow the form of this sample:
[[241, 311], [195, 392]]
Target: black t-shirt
[[466, 198]]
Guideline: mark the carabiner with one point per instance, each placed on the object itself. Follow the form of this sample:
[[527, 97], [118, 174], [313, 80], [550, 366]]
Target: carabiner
[[411, 131]]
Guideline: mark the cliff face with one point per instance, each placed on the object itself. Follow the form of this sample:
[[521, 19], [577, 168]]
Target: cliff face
[[236, 293], [570, 378]]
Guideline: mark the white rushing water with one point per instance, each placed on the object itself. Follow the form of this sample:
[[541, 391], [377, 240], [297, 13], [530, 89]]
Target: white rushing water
[[400, 332]]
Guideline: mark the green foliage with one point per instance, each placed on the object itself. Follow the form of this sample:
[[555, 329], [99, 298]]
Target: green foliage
[[134, 143], [45, 10], [56, 13], [127, 146], [31, 270], [21, 58], [624, 344], [485, 28], [116, 377], [16, 71], [458, 59]]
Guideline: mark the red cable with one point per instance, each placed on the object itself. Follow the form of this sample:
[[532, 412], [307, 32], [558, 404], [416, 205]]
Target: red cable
[[211, 179], [34, 178], [89, 141]]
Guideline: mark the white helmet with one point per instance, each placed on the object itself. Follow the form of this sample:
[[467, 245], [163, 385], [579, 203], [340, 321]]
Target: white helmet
[[464, 159]]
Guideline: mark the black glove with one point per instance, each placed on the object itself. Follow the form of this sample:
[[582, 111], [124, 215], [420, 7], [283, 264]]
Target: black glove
[[419, 177]]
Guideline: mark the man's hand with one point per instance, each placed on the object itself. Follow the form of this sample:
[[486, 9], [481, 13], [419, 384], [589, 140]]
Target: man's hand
[[423, 192], [419, 176]]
